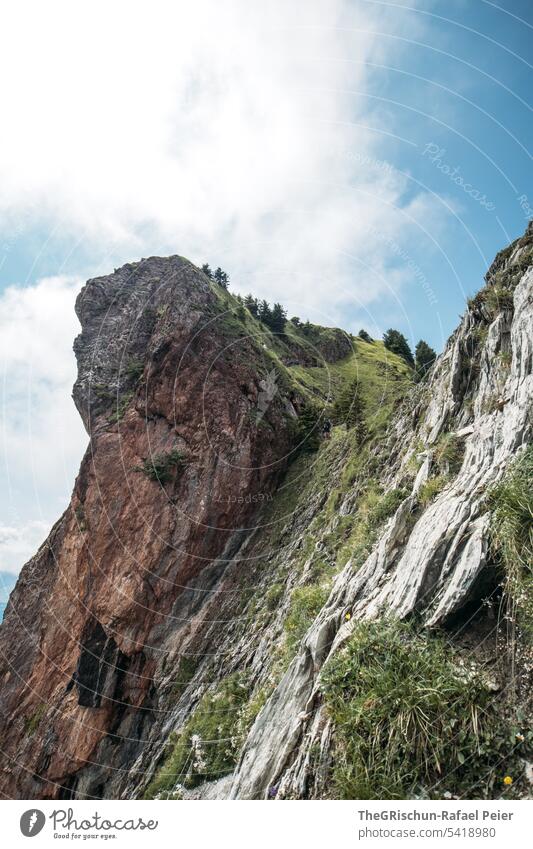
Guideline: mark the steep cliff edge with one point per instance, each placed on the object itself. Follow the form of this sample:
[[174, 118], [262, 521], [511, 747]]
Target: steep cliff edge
[[187, 440], [170, 635], [433, 559]]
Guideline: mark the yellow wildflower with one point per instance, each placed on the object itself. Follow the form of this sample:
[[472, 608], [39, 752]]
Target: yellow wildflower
[[507, 780]]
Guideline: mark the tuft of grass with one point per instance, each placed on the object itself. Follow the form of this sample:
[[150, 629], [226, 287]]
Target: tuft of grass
[[273, 595], [306, 603], [505, 359], [493, 299], [184, 673], [386, 506], [357, 533], [498, 298], [32, 722], [430, 489], [134, 369], [480, 333], [122, 403], [410, 721], [448, 454], [160, 467], [206, 747], [511, 504]]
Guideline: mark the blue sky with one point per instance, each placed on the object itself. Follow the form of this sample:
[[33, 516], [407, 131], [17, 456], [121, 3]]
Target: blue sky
[[360, 161], [451, 75]]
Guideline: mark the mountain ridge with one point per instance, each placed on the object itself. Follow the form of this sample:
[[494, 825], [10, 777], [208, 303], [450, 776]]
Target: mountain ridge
[[208, 565]]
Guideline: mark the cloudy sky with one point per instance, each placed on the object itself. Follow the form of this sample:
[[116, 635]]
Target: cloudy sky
[[361, 161]]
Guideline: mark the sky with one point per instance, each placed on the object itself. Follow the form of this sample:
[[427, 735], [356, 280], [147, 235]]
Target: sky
[[360, 161]]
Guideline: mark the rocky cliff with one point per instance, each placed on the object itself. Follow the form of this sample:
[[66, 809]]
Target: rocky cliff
[[172, 636]]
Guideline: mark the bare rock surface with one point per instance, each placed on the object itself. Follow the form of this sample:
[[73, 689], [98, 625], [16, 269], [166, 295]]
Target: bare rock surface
[[145, 570]]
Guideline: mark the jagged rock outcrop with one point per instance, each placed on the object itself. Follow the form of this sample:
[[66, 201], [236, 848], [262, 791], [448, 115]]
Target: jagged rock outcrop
[[160, 371], [192, 529], [429, 564]]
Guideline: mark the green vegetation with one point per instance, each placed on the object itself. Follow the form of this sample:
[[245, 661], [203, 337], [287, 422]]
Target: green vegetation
[[386, 505], [102, 392], [493, 298], [505, 359], [32, 722], [448, 454], [411, 721], [218, 276], [160, 467], [511, 504], [122, 403], [424, 359], [306, 603], [480, 333], [274, 595], [309, 429], [339, 466], [397, 343], [497, 299], [274, 317], [349, 409], [383, 378], [221, 277], [184, 673], [354, 535], [134, 369], [208, 744], [121, 400], [430, 489]]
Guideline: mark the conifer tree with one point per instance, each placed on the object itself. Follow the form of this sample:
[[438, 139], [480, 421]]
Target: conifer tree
[[251, 305], [207, 270], [397, 343], [278, 319], [309, 428], [264, 312], [424, 359], [221, 278], [365, 336]]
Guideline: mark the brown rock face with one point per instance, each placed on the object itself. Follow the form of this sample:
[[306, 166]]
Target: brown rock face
[[177, 464]]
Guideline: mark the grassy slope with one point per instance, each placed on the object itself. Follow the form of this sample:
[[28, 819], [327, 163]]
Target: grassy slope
[[291, 582], [384, 376], [305, 539]]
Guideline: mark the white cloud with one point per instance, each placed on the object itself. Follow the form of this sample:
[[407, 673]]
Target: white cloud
[[17, 545], [231, 132], [42, 435], [219, 130]]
